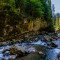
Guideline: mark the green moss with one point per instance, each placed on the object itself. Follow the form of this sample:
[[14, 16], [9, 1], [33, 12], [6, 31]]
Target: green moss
[[33, 56]]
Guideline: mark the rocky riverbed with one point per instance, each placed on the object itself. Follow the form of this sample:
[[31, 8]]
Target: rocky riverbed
[[46, 48]]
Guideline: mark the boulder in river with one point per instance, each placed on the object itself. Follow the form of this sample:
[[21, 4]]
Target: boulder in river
[[53, 45], [59, 35], [15, 51], [6, 53], [42, 54], [12, 57], [22, 48], [31, 56], [47, 38], [31, 49]]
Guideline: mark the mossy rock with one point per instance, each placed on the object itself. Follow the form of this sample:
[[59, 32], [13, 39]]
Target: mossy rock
[[41, 48], [17, 52], [13, 50], [32, 56]]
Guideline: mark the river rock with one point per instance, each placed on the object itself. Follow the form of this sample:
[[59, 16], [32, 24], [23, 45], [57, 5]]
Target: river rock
[[6, 53], [7, 48], [54, 37], [15, 51], [42, 54], [58, 56], [53, 45], [3, 43], [31, 49], [47, 38], [31, 56], [12, 57], [59, 35], [22, 47]]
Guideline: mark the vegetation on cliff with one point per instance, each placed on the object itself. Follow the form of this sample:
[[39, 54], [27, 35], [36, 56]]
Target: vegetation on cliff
[[20, 16]]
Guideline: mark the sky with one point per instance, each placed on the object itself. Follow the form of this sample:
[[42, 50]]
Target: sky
[[57, 5]]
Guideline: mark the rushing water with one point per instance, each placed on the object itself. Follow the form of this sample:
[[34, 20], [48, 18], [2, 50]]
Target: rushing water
[[51, 53]]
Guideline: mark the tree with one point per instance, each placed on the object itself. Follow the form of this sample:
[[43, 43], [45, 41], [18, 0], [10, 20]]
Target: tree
[[34, 8]]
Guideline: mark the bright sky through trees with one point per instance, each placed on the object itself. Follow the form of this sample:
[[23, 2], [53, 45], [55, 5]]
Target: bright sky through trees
[[57, 5]]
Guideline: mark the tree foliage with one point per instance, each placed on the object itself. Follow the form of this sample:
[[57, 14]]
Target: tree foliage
[[34, 8], [13, 11]]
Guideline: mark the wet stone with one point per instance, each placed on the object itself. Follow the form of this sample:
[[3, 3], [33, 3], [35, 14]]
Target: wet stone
[[58, 56]]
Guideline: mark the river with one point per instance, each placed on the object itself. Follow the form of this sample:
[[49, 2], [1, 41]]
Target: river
[[51, 53]]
